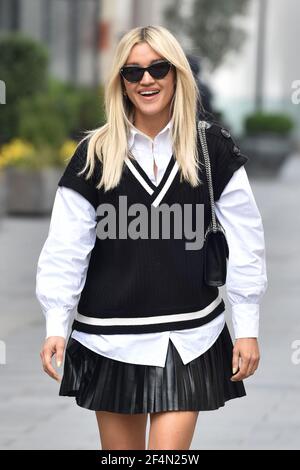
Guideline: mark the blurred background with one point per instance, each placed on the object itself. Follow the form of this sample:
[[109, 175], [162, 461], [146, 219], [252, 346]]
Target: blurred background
[[55, 57]]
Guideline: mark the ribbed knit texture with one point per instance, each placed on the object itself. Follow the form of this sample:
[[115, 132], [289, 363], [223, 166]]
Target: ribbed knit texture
[[148, 278]]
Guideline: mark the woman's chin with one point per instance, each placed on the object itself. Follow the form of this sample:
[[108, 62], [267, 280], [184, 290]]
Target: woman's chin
[[150, 110]]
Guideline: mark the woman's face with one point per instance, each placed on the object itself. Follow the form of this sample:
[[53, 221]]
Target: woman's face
[[142, 54]]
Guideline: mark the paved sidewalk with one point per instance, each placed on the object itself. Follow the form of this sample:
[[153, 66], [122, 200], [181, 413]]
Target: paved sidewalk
[[33, 416]]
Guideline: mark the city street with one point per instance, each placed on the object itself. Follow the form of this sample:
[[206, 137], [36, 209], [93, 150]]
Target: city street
[[33, 416]]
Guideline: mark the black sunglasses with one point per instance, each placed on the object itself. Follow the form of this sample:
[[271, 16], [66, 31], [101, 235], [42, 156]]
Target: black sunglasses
[[133, 73]]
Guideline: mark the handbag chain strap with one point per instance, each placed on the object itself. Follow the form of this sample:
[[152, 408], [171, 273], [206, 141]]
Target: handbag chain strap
[[202, 125]]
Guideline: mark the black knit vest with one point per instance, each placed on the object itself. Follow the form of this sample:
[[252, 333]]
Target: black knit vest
[[151, 282]]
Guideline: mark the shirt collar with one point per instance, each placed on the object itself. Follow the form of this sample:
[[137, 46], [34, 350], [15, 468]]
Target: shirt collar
[[133, 131]]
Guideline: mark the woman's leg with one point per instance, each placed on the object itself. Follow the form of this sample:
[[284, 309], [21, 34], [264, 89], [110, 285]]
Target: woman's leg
[[119, 431], [172, 430]]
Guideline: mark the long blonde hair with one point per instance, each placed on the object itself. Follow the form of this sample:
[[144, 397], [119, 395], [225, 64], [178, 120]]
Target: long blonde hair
[[109, 144]]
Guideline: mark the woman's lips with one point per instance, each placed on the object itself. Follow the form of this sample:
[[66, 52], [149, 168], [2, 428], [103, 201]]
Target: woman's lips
[[149, 97]]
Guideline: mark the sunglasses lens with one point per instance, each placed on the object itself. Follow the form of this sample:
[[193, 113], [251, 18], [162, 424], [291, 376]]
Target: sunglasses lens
[[132, 74], [160, 70]]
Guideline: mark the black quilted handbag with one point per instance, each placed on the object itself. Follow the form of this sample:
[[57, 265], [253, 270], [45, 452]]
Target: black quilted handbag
[[215, 247]]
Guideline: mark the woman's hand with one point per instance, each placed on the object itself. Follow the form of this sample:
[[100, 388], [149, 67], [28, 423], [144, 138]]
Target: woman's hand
[[53, 345], [245, 358]]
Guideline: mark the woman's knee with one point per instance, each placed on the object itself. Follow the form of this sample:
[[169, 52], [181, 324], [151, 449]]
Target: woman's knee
[[172, 430], [119, 431]]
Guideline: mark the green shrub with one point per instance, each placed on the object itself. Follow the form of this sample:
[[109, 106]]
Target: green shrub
[[90, 109], [260, 122], [87, 106], [65, 111], [41, 110], [41, 121], [23, 68]]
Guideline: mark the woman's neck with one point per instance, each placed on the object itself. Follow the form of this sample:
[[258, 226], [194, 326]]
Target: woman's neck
[[152, 125]]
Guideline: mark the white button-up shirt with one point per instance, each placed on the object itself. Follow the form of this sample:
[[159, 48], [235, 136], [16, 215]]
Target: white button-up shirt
[[64, 259]]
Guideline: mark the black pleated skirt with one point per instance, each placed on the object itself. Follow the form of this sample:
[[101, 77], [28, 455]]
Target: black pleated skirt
[[103, 384]]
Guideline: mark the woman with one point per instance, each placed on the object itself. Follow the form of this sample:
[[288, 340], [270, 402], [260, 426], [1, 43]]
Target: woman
[[149, 336]]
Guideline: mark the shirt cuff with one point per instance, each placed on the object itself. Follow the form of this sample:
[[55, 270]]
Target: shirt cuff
[[245, 319], [57, 323]]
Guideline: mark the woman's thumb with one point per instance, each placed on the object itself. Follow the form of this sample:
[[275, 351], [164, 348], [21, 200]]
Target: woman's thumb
[[59, 355], [235, 361]]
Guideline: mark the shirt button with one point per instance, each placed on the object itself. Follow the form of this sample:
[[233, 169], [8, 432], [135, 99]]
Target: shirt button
[[236, 150], [225, 133]]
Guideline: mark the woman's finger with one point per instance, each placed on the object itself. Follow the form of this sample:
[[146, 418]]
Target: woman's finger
[[243, 369], [47, 364]]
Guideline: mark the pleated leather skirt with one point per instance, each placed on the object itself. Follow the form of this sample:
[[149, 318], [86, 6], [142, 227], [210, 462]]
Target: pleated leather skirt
[[103, 384]]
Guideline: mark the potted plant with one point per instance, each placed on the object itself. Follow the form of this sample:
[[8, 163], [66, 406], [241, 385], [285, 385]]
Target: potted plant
[[267, 141], [42, 113], [31, 175]]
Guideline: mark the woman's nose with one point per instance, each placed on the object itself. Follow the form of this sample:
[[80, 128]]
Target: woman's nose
[[146, 77]]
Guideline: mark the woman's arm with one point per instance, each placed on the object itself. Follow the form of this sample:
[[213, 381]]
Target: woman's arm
[[62, 268], [246, 275]]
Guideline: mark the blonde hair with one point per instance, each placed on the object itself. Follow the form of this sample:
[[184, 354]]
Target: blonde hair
[[109, 144]]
